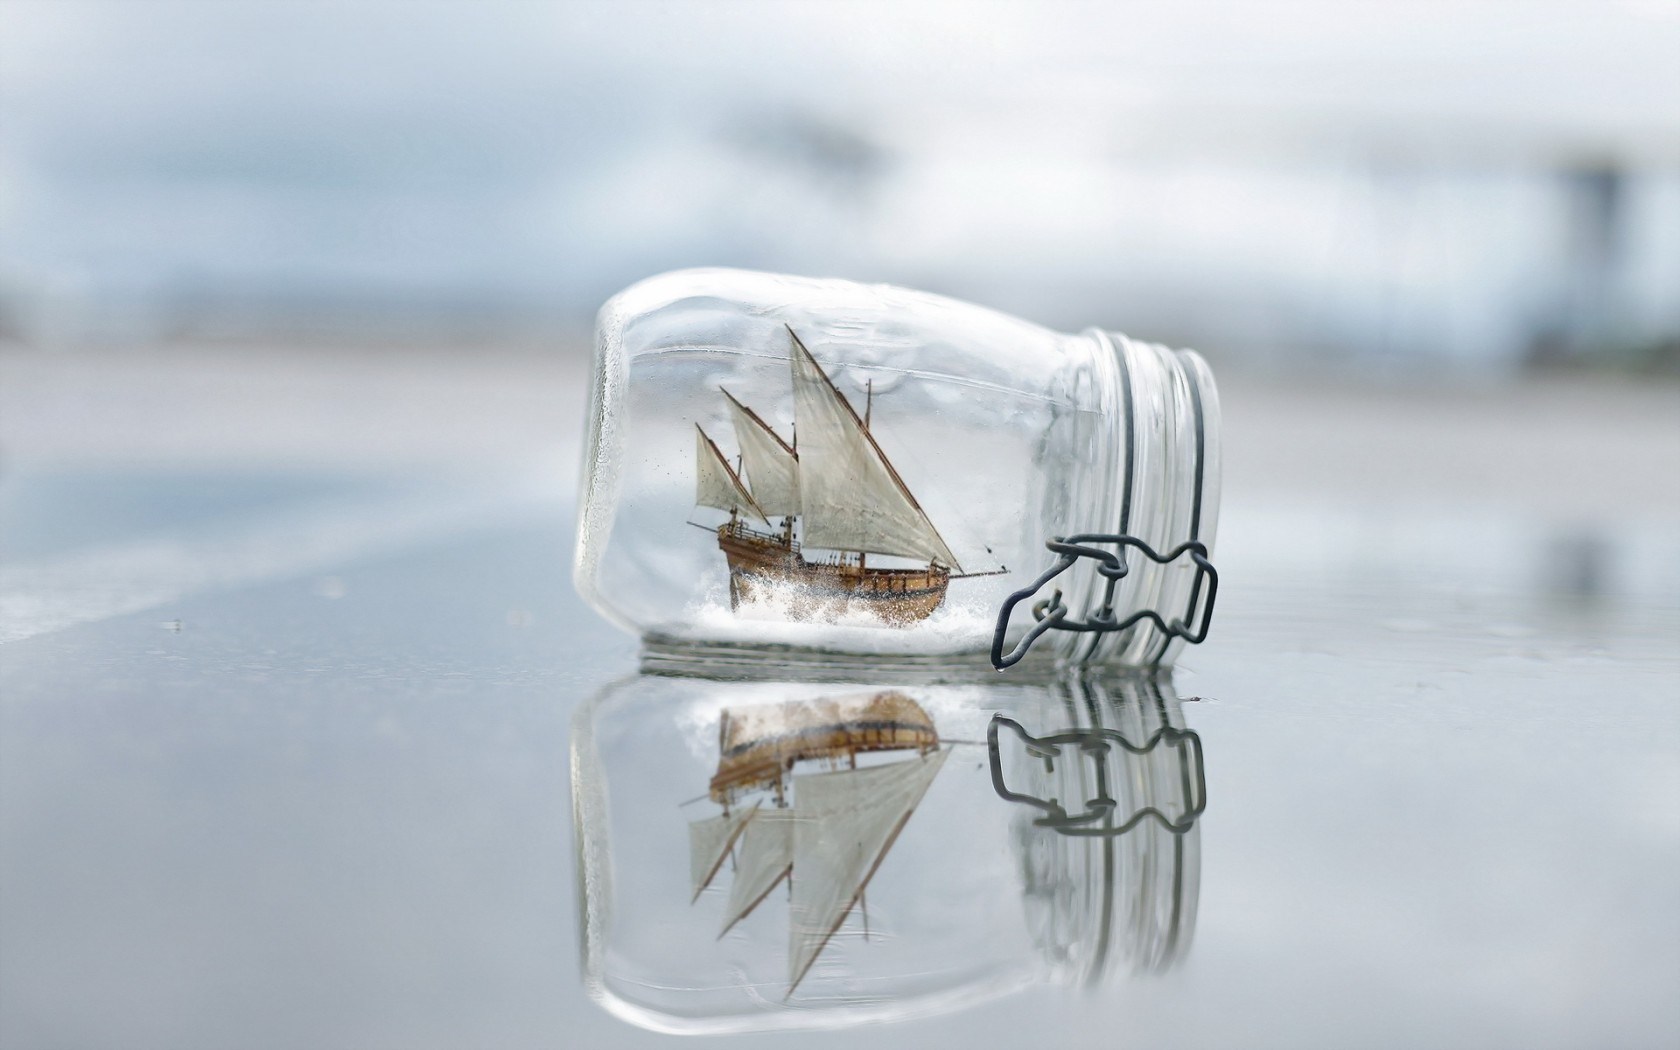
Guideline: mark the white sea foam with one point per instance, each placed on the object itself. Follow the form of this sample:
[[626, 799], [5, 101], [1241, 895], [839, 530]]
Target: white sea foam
[[961, 624]]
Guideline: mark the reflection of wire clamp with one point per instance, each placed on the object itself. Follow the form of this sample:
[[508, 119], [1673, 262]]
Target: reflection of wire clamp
[[1051, 613], [1097, 817]]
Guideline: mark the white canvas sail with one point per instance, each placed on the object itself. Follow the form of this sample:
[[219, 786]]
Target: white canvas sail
[[715, 482], [847, 822], [764, 855], [771, 467], [851, 497], [708, 844]]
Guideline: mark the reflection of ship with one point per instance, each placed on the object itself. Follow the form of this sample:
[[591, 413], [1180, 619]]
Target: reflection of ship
[[1109, 837], [847, 497], [827, 831]]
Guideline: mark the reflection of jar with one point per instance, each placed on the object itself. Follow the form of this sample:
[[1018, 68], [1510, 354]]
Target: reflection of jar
[[786, 853], [1111, 785], [860, 468]]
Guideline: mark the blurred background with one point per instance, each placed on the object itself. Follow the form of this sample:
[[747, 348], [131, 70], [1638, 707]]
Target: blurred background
[[1456, 190], [1432, 249]]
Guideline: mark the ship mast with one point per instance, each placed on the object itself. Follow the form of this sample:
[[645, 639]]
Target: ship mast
[[851, 495], [837, 481], [717, 484], [770, 464], [839, 824], [868, 410]]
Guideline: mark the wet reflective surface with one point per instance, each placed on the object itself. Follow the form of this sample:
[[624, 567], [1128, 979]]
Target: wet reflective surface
[[397, 787], [929, 888]]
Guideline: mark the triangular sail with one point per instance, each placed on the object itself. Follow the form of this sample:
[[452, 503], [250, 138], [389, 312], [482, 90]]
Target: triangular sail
[[708, 844], [716, 483], [847, 822], [763, 858], [852, 498], [771, 466]]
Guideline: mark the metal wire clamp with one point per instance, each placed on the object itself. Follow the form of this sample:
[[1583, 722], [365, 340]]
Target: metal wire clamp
[[1051, 613], [1097, 819]]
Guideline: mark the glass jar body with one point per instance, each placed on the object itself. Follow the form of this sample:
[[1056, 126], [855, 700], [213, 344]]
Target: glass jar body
[[936, 445], [1049, 835]]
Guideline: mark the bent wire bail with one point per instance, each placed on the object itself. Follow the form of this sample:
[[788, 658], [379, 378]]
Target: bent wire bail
[[1096, 819], [1051, 614]]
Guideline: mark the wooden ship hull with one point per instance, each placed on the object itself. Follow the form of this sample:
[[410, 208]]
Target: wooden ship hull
[[846, 497], [760, 746], [763, 565]]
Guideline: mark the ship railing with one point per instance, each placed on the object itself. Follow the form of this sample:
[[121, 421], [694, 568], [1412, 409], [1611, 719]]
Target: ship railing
[[741, 531], [901, 579]]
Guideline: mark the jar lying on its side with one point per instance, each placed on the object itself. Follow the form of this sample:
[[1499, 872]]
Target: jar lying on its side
[[858, 852], [820, 464]]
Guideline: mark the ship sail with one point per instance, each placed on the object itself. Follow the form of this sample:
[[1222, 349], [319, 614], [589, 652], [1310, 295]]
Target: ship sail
[[708, 844], [772, 467], [765, 856], [716, 483], [851, 497], [847, 820]]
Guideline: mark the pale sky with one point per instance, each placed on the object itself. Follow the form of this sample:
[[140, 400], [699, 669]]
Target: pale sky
[[553, 152]]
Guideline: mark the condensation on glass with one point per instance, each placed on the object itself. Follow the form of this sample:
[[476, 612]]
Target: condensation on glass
[[821, 464]]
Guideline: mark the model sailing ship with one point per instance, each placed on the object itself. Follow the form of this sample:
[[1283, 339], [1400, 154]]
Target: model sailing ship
[[828, 831], [845, 496]]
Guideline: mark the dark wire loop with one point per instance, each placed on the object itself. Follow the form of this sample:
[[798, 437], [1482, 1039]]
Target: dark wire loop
[[1096, 742], [1051, 613]]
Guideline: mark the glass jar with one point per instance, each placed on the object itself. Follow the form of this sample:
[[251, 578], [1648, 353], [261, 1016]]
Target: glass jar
[[784, 853], [789, 462]]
